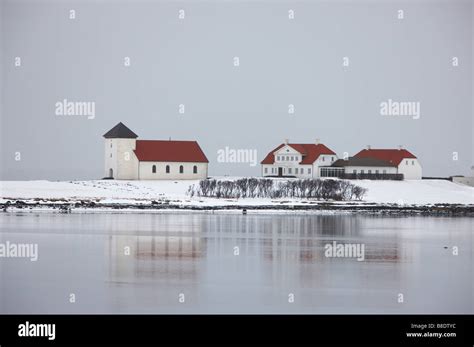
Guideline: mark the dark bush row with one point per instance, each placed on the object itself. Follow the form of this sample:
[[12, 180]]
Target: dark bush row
[[327, 189]]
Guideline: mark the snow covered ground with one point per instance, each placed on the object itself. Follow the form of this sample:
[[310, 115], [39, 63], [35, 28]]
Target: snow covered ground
[[419, 192]]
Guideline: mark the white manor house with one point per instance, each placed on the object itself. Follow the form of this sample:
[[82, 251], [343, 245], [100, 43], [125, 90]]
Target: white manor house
[[127, 158], [312, 160]]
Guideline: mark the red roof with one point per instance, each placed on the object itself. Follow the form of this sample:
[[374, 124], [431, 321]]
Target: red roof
[[310, 152], [172, 151], [393, 156]]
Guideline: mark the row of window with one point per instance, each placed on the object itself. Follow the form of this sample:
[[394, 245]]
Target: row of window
[[181, 169], [412, 162], [287, 158], [296, 158], [300, 171], [288, 171], [369, 171]]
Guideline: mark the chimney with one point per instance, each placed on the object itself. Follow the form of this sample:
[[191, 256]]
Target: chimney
[[368, 146], [286, 141], [316, 142], [400, 147]]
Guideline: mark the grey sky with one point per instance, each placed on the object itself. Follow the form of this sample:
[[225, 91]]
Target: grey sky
[[190, 62]]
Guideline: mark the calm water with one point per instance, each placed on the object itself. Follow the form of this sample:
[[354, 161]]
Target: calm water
[[193, 254]]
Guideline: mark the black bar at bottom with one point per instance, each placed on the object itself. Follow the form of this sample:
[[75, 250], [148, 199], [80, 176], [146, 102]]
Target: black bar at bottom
[[448, 330]]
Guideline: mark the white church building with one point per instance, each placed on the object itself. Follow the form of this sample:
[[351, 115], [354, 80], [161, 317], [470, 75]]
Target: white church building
[[127, 158]]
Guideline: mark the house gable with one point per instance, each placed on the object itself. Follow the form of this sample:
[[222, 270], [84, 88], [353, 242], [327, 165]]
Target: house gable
[[286, 149], [310, 152]]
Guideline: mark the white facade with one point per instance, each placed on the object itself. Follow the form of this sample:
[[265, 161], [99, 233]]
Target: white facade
[[122, 163], [287, 163], [468, 181], [370, 170], [120, 160], [150, 170], [410, 168]]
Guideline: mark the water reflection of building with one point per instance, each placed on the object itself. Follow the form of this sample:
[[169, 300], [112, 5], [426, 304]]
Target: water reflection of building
[[303, 239], [142, 256]]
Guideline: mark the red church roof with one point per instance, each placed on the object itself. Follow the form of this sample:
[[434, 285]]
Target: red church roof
[[172, 151], [310, 152], [393, 156]]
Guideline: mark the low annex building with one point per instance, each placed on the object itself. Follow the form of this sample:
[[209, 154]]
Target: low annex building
[[302, 160], [402, 160], [127, 158], [364, 166], [378, 163]]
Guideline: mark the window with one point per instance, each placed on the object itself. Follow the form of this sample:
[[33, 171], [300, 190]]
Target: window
[[384, 171], [412, 162], [370, 171], [332, 158], [181, 169], [266, 170], [377, 171], [289, 170], [296, 171], [361, 171], [167, 169], [322, 159], [309, 170], [153, 169], [354, 171], [278, 157], [406, 162], [111, 155], [110, 144], [195, 169]]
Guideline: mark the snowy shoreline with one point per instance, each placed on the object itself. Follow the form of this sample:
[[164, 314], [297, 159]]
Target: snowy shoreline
[[325, 208], [432, 197]]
